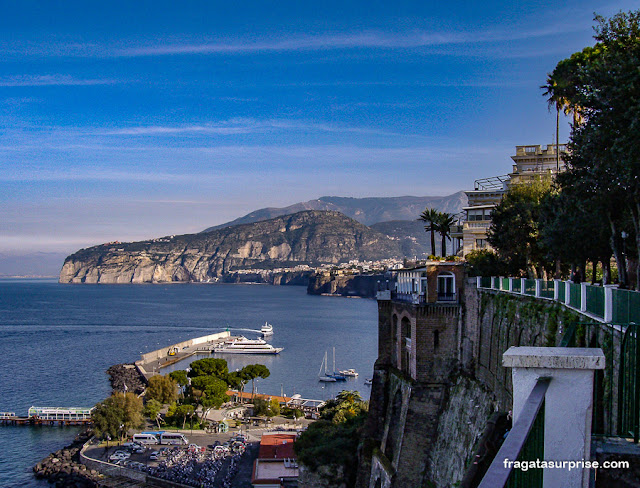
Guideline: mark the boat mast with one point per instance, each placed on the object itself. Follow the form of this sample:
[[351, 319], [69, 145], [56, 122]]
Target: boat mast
[[334, 359]]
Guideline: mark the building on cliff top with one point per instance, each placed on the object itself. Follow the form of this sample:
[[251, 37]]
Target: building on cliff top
[[530, 162], [419, 330]]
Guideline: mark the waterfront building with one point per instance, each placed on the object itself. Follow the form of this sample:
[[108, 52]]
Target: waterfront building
[[60, 413], [530, 162]]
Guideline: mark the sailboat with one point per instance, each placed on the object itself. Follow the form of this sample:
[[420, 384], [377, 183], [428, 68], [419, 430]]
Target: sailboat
[[338, 376], [325, 377]]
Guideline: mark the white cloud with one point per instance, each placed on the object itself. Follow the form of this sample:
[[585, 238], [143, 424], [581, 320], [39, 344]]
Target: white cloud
[[51, 80]]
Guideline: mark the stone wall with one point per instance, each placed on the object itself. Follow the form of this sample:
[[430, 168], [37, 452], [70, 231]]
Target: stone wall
[[460, 426], [495, 321]]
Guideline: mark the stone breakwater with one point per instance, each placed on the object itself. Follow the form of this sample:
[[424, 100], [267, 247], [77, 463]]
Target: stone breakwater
[[122, 375], [63, 467]]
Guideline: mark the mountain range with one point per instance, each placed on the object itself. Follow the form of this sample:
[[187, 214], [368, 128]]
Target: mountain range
[[311, 237], [266, 239], [367, 211]]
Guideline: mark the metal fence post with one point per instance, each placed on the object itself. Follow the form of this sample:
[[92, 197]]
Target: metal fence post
[[538, 288], [523, 285], [583, 297]]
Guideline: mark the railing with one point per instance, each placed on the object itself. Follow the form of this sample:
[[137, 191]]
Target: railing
[[575, 295], [547, 289], [516, 286], [446, 297], [525, 442], [530, 287], [606, 304], [616, 393], [626, 306], [414, 298], [595, 300]]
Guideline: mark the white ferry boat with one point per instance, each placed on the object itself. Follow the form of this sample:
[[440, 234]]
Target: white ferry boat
[[267, 329], [242, 345]]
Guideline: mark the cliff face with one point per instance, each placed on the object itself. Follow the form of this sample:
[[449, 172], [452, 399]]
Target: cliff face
[[310, 237], [349, 286]]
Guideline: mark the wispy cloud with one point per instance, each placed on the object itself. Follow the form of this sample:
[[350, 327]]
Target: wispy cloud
[[330, 41], [52, 80], [362, 40], [241, 126]]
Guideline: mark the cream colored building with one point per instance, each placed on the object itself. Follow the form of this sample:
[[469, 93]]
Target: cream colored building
[[529, 162]]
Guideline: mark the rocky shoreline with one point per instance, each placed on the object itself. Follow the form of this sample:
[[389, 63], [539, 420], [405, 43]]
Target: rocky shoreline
[[63, 467], [121, 375]]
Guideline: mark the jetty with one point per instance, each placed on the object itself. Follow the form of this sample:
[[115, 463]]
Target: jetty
[[152, 362]]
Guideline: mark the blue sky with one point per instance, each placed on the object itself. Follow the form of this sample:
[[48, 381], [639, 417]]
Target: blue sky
[[130, 120]]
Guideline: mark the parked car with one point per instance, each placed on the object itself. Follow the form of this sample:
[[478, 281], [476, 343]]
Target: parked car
[[154, 456], [119, 456]]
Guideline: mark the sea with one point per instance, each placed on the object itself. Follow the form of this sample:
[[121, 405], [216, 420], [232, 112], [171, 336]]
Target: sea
[[57, 341]]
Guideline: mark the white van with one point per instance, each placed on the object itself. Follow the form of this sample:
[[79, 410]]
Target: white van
[[173, 438], [145, 439]]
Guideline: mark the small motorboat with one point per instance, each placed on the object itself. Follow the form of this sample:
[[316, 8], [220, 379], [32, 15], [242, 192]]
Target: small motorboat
[[368, 381], [349, 372]]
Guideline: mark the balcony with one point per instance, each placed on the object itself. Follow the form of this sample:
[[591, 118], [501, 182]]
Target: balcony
[[482, 224], [413, 298], [447, 296]]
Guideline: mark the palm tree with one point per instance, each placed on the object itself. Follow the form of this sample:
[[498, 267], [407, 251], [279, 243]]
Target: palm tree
[[559, 90], [430, 217], [443, 226]]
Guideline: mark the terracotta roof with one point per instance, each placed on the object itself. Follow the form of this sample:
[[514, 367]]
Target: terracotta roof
[[277, 446], [247, 396]]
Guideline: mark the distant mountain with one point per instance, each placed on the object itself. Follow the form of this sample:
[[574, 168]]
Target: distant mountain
[[410, 234], [365, 210], [308, 237]]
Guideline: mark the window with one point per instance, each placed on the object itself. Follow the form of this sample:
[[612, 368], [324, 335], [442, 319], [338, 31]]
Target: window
[[446, 287], [481, 243], [436, 339]]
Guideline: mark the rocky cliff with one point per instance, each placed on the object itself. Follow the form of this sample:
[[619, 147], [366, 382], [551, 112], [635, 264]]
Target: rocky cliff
[[349, 286], [309, 237]]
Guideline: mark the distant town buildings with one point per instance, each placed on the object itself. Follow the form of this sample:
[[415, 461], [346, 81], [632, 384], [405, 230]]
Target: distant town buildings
[[531, 162]]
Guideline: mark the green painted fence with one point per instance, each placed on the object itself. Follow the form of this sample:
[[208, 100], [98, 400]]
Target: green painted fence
[[626, 306], [595, 301]]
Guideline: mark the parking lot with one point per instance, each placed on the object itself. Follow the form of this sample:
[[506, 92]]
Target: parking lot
[[209, 461]]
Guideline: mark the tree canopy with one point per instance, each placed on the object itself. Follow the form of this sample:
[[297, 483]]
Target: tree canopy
[[116, 415], [162, 388]]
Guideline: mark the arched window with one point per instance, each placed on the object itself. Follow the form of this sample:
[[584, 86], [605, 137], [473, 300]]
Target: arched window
[[446, 287], [406, 327]]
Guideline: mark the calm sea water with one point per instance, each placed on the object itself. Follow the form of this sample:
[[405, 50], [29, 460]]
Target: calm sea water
[[58, 340]]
